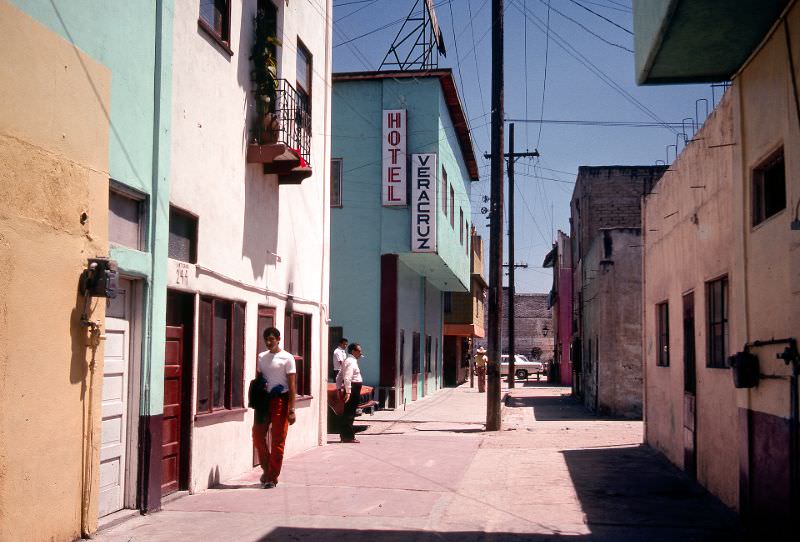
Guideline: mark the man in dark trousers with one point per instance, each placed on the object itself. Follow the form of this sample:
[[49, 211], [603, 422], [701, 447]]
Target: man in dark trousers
[[349, 385]]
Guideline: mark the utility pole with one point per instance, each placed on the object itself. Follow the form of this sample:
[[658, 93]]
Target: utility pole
[[512, 288], [496, 226], [512, 157]]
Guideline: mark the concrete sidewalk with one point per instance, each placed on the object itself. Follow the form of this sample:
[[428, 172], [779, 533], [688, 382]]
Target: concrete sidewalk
[[430, 472]]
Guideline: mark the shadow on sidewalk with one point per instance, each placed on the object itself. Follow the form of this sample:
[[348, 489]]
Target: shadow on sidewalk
[[637, 487], [564, 407], [600, 534]]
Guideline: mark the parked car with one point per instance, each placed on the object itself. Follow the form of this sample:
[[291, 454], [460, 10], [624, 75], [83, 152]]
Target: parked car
[[523, 367]]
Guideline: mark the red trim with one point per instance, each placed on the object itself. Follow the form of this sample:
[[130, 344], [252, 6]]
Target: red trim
[[388, 333]]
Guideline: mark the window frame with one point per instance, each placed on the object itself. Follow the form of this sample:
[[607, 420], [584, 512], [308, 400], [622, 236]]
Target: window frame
[[142, 202], [223, 38], [194, 243], [302, 353], [714, 358], [444, 191], [230, 403], [461, 225], [662, 334], [452, 207], [758, 187], [338, 203]]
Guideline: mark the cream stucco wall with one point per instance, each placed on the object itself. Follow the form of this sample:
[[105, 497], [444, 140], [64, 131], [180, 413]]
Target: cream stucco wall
[[688, 225], [53, 168], [257, 241]]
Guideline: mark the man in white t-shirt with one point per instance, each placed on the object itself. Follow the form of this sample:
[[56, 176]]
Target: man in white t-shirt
[[339, 355], [278, 368]]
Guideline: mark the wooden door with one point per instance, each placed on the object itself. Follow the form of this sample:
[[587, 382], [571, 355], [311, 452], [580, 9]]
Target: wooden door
[[401, 388], [689, 388], [115, 401], [266, 318], [415, 365], [171, 421]]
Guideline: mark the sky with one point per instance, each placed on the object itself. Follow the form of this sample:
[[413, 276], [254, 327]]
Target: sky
[[565, 60]]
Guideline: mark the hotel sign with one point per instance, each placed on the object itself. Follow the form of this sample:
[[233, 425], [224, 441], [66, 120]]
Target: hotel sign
[[394, 157], [423, 203]]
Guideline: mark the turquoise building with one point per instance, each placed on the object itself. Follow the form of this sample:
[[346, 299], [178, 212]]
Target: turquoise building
[[403, 162]]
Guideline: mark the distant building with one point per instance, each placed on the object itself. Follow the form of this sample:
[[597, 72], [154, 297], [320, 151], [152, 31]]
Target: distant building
[[606, 265], [560, 303], [721, 258], [464, 318], [533, 329], [400, 222]]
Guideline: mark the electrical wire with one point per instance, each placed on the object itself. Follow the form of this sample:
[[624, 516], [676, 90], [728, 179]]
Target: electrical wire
[[587, 29], [544, 78], [602, 17]]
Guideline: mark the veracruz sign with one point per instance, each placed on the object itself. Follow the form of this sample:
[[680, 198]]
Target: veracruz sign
[[423, 203], [394, 157]]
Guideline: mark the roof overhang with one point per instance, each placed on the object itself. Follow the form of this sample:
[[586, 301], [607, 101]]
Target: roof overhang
[[698, 41], [451, 98], [550, 258]]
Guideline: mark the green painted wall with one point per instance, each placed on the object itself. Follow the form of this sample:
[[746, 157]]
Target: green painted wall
[[134, 40]]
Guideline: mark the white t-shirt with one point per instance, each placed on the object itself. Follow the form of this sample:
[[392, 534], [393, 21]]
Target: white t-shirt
[[350, 373], [275, 367], [339, 355]]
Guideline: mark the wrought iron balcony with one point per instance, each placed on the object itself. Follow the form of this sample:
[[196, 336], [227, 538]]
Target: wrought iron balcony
[[289, 121]]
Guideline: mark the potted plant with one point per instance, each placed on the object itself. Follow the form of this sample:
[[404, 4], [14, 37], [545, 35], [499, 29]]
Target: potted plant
[[265, 76]]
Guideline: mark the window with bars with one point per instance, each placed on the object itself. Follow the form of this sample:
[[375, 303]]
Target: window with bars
[[220, 356], [662, 323], [717, 322], [769, 188], [297, 341]]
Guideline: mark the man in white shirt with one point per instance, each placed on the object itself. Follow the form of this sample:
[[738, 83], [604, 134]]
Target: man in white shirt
[[349, 384], [339, 355], [278, 368]]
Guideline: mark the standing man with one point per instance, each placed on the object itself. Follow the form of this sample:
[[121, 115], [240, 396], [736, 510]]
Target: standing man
[[480, 368], [339, 355], [278, 368], [349, 384]]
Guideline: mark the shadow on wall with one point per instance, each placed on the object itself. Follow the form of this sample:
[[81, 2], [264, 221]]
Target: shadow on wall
[[261, 193], [636, 487]]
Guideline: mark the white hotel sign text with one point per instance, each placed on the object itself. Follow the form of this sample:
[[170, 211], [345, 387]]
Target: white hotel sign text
[[394, 157], [423, 203]]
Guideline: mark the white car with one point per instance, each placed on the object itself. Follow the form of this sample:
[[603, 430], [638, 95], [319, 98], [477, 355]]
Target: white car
[[523, 367]]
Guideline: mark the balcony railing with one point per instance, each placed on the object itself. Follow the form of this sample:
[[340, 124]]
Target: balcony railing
[[293, 113]]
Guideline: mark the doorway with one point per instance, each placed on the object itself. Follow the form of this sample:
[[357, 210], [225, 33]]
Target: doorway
[[415, 365], [119, 410], [689, 388], [176, 420]]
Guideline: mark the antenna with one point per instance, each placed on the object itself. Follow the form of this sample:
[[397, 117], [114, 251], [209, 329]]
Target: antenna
[[419, 39]]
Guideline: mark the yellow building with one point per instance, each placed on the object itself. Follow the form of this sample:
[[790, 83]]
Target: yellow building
[[53, 216]]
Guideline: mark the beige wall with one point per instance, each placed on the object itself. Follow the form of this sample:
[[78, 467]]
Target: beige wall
[[53, 168], [682, 251], [770, 249]]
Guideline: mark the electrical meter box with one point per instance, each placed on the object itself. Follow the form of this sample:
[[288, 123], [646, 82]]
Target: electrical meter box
[[100, 279]]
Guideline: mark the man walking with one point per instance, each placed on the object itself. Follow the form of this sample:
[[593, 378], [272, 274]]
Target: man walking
[[480, 368], [278, 368], [339, 355]]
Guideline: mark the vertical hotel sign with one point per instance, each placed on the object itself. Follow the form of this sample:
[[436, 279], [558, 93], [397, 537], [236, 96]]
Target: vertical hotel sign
[[423, 203], [394, 157]]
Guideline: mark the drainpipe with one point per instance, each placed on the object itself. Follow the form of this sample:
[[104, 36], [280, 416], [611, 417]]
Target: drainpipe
[[323, 307]]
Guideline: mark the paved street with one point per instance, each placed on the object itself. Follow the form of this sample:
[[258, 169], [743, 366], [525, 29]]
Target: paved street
[[429, 472]]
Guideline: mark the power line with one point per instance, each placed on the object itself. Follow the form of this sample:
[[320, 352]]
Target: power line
[[544, 79], [587, 29], [602, 17]]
